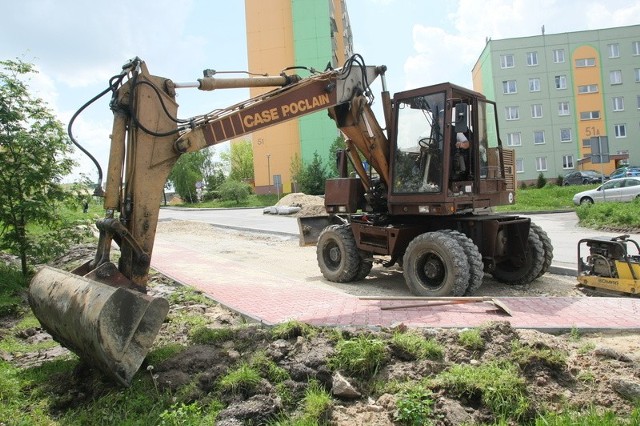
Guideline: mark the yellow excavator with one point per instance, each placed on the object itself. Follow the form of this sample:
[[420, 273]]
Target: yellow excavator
[[417, 200]]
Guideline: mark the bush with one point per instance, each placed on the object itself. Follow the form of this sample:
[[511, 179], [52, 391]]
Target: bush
[[234, 190], [542, 181]]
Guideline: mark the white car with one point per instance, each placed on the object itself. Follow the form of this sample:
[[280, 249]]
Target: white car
[[621, 189]]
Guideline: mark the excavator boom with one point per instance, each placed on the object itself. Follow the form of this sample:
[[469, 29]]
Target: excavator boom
[[100, 310]]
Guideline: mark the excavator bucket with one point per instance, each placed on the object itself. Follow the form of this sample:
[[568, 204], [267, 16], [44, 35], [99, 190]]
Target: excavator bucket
[[310, 228], [111, 328]]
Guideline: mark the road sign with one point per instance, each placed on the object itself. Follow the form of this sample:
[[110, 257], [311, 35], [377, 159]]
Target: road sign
[[599, 149]]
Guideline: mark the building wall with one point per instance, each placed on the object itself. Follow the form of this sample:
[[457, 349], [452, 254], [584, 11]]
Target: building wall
[[561, 156], [270, 49], [284, 33]]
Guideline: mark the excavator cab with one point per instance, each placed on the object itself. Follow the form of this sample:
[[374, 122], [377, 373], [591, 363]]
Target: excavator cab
[[447, 156]]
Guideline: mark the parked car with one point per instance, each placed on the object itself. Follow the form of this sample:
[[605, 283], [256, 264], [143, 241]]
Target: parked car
[[582, 177], [625, 171], [621, 189]]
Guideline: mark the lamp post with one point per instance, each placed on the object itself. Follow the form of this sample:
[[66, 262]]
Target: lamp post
[[269, 172]]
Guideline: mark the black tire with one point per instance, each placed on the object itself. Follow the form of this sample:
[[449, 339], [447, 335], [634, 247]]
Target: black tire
[[474, 258], [586, 200], [546, 246], [435, 265], [525, 271], [337, 254], [363, 270]]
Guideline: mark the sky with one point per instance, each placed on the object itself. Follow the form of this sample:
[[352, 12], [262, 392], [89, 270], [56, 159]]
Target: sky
[[77, 45]]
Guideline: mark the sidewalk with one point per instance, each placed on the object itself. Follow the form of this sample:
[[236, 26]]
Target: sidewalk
[[271, 299]]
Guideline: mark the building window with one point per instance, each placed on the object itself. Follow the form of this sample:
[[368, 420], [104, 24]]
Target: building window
[[586, 62], [507, 61], [558, 56], [563, 108], [635, 47], [509, 87], [514, 139], [590, 115], [512, 113], [618, 103], [519, 165], [561, 81], [538, 137], [588, 88], [615, 77], [637, 74], [614, 50], [536, 111], [620, 130], [532, 59], [565, 135], [541, 164], [638, 99], [534, 84], [567, 162]]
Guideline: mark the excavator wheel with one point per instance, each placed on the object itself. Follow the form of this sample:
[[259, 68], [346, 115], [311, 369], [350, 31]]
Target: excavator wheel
[[435, 265], [524, 272], [337, 254], [546, 246], [476, 266], [364, 269]]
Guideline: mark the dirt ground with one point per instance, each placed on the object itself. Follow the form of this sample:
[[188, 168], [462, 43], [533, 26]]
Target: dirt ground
[[597, 370]]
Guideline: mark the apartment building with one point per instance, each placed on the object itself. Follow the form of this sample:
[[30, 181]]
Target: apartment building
[[284, 33], [559, 94]]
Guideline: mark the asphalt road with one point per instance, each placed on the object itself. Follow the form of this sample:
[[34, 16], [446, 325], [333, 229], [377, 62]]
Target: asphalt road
[[562, 228]]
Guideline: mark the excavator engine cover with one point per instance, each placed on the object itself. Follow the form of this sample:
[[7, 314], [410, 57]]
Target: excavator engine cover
[[111, 328]]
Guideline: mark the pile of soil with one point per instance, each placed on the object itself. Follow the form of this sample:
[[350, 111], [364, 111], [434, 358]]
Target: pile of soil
[[596, 370], [310, 205]]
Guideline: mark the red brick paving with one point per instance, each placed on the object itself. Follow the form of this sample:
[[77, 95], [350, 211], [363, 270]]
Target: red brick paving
[[273, 299]]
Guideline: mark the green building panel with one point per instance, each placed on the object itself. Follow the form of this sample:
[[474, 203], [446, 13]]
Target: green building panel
[[313, 48]]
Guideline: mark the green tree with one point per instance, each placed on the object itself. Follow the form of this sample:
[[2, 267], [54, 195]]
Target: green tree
[[191, 168], [313, 176], [295, 169], [239, 160], [234, 190], [337, 145], [34, 157]]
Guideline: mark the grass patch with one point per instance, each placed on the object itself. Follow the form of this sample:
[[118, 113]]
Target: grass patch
[[291, 329], [496, 385], [414, 405], [316, 402], [590, 417], [268, 368], [362, 356], [471, 339], [610, 215], [158, 355], [242, 379], [265, 200], [416, 346], [551, 197], [210, 336], [13, 286], [187, 295], [526, 355]]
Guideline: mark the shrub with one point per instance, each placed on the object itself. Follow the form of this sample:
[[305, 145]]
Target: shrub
[[541, 182], [234, 190]]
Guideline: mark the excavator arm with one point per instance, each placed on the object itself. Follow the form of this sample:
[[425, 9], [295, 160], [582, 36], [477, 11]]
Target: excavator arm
[[100, 310]]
